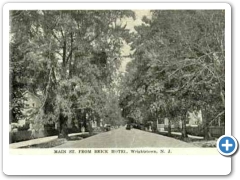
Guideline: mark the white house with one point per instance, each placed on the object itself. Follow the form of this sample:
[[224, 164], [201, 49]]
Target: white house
[[195, 117]]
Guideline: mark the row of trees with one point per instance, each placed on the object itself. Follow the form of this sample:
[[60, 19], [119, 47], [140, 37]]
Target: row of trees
[[69, 60], [178, 66]]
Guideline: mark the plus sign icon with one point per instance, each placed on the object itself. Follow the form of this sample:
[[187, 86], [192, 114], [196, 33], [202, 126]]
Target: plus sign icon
[[227, 145]]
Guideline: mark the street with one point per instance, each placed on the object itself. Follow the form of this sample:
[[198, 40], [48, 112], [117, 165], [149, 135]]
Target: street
[[122, 138]]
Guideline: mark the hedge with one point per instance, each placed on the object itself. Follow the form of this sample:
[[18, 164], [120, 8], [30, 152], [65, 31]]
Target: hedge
[[28, 135]]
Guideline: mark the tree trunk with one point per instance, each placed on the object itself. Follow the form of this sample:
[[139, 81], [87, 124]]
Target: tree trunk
[[184, 130], [64, 59], [206, 131], [223, 98], [205, 124], [169, 128], [90, 129], [70, 60], [63, 129]]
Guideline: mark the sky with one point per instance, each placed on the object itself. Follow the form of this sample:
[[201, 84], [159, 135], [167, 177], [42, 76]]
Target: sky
[[131, 23]]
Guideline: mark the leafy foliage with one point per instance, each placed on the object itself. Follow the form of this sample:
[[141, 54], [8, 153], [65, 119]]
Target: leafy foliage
[[178, 66], [68, 59]]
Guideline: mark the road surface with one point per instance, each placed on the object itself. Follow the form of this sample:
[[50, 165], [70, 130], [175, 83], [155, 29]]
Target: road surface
[[122, 138]]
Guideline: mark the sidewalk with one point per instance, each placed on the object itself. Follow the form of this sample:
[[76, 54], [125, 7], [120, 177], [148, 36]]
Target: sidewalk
[[190, 136], [39, 141]]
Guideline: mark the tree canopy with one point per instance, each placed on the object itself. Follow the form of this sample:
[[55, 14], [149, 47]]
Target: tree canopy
[[70, 60], [178, 65]]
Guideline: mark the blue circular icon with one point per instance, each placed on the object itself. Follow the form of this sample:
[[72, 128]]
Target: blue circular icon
[[227, 145]]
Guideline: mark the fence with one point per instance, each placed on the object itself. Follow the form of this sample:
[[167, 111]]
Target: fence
[[215, 131]]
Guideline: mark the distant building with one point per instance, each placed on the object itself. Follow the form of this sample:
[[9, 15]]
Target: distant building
[[195, 117], [160, 127], [173, 123], [31, 103]]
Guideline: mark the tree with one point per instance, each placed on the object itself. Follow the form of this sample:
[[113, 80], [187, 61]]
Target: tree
[[179, 55], [70, 57]]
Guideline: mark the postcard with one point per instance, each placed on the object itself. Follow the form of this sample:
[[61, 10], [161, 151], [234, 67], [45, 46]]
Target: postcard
[[116, 88]]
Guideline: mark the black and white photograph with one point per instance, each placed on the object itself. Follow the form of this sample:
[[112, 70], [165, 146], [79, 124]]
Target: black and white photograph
[[117, 89], [116, 78]]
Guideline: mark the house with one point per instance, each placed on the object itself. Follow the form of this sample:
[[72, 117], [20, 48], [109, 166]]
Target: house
[[174, 123], [195, 118], [32, 103]]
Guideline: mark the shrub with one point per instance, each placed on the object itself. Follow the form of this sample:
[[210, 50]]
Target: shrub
[[50, 132], [74, 129], [195, 131], [19, 136], [28, 135], [25, 127]]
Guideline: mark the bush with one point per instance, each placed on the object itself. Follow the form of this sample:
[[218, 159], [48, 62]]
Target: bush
[[173, 129], [50, 132], [195, 131], [19, 136], [74, 129], [27, 135], [25, 127]]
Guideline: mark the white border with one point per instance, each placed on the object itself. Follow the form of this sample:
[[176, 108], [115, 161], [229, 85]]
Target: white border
[[114, 165], [114, 6]]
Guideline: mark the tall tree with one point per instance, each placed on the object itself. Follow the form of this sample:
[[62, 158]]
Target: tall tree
[[71, 58], [179, 55]]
